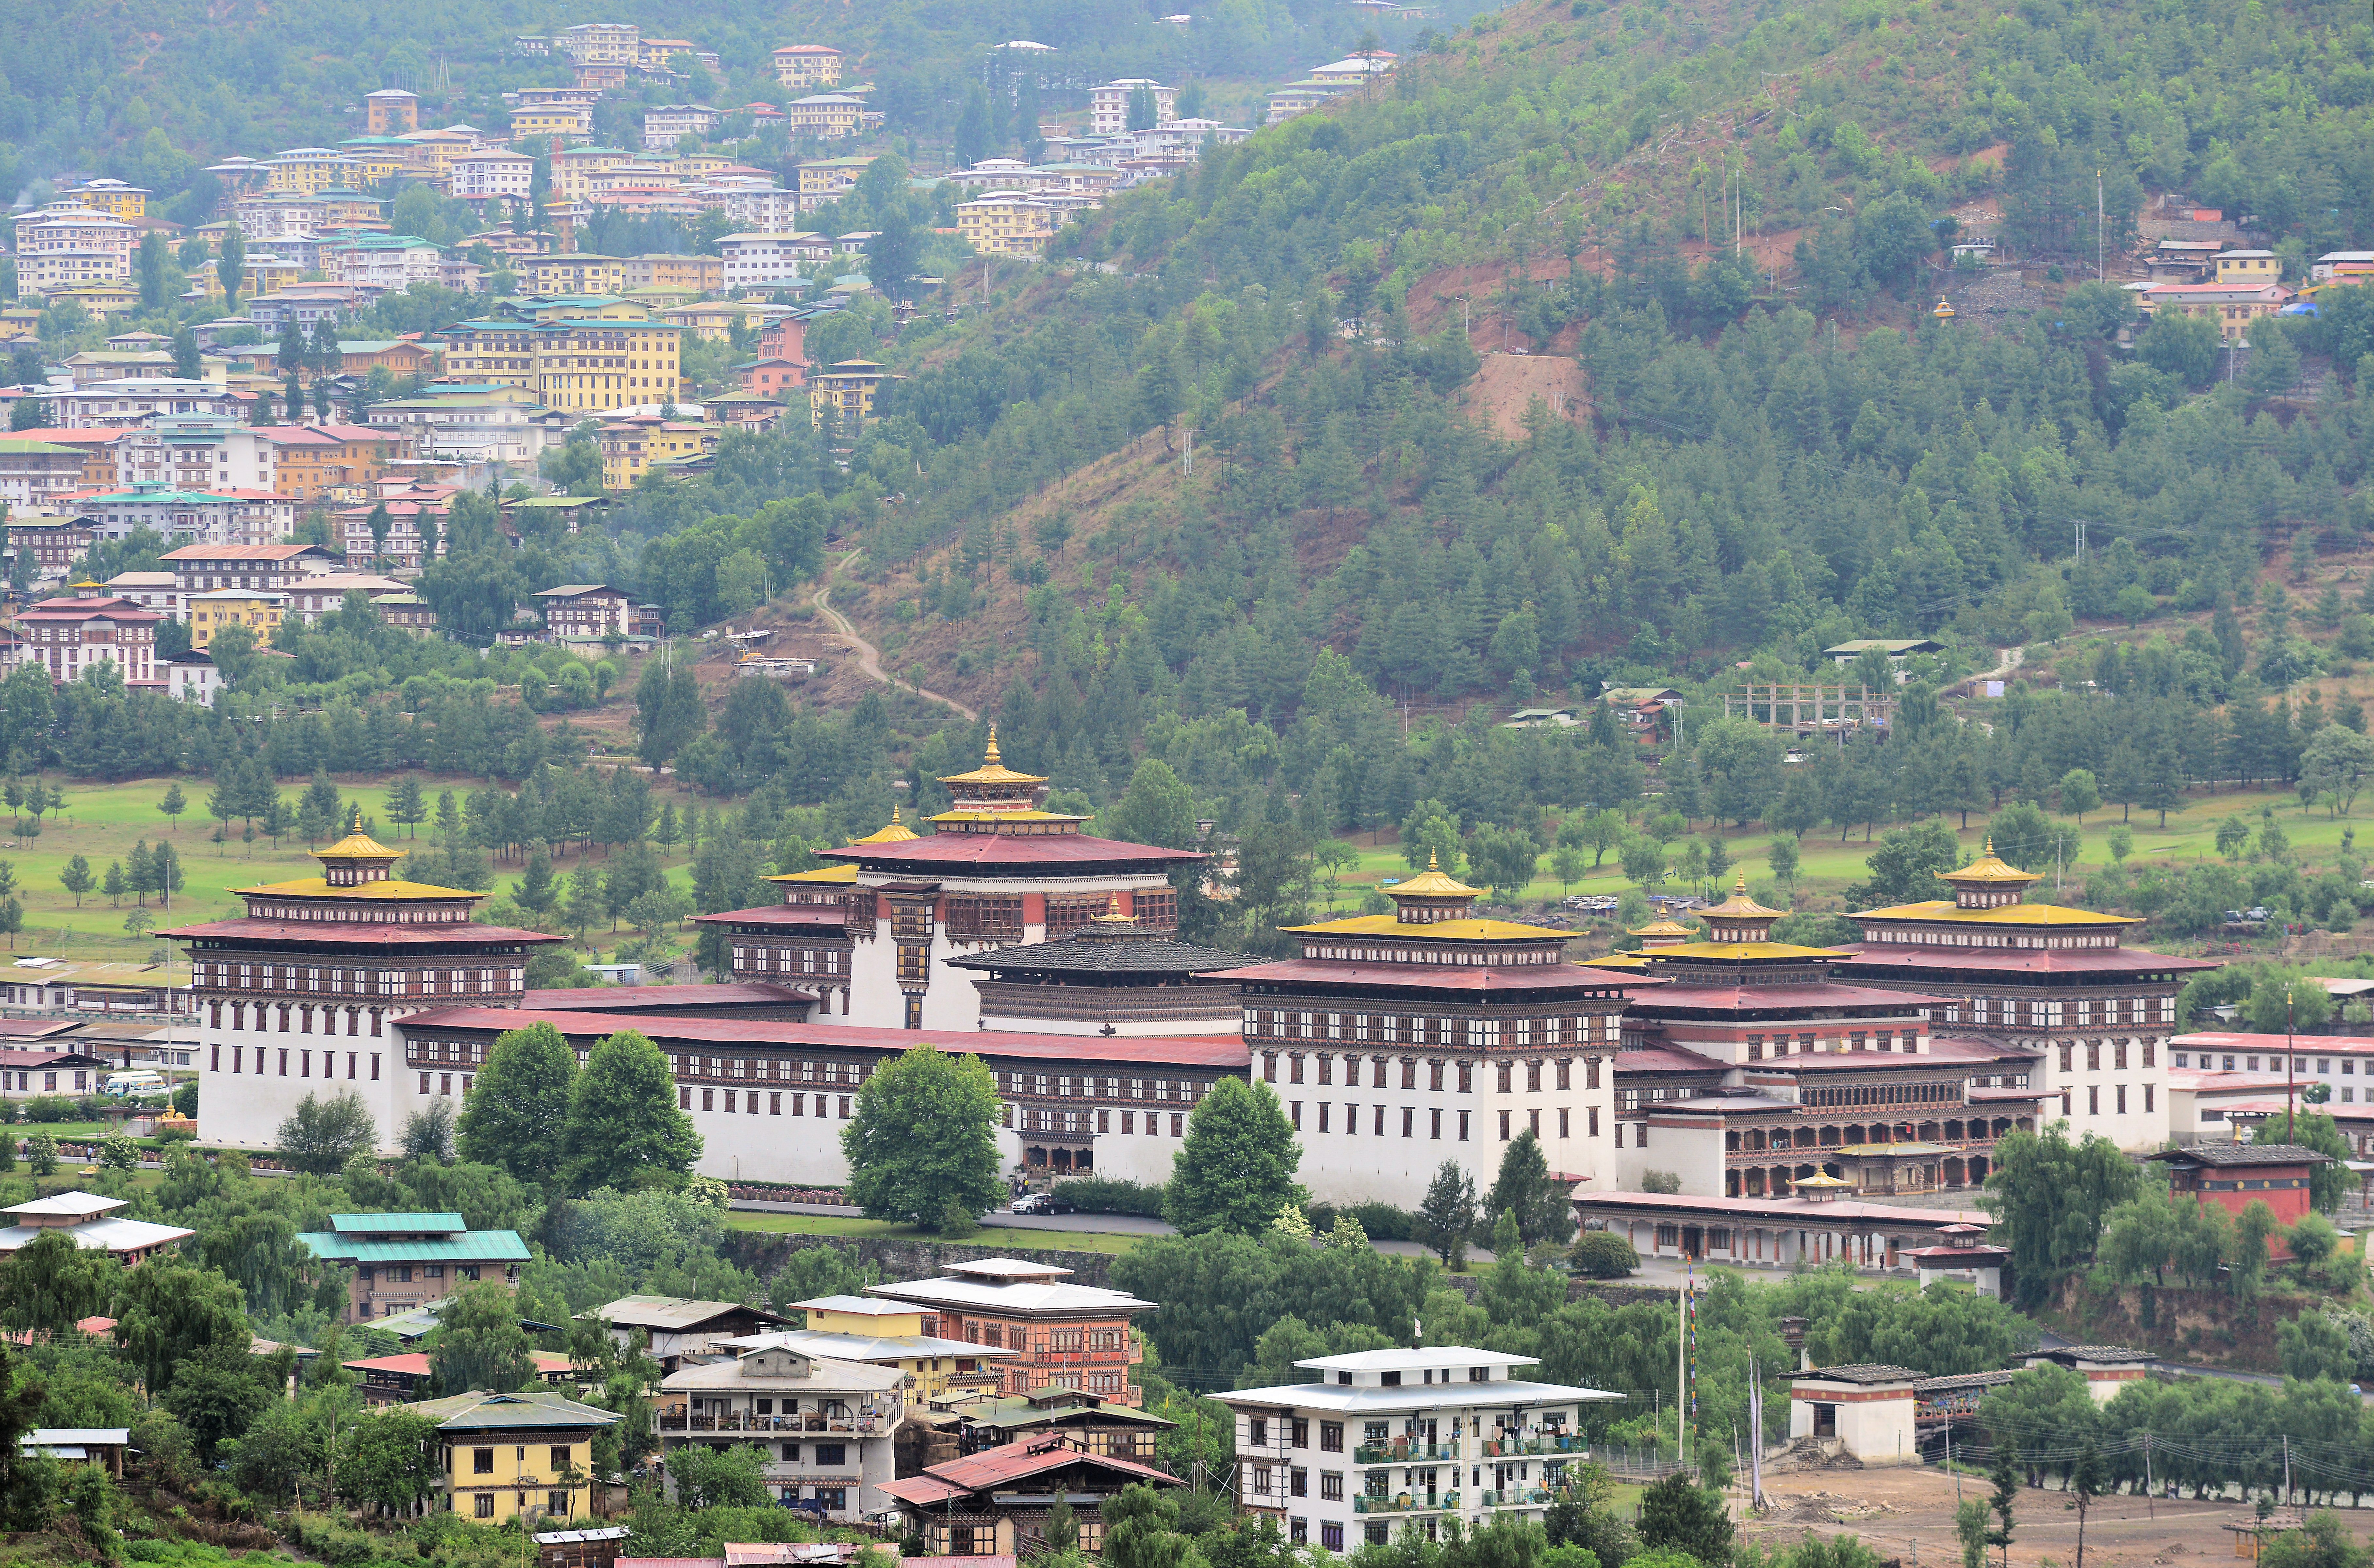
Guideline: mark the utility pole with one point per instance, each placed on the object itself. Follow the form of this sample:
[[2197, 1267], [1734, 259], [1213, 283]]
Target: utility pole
[[2099, 276], [2289, 1090], [2149, 1511]]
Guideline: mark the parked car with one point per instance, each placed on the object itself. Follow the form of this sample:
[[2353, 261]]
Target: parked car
[[1043, 1203]]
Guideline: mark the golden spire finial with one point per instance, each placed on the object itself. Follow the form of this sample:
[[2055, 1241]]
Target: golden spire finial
[[1740, 886], [1113, 904], [1430, 864], [1990, 844], [894, 815], [989, 758]]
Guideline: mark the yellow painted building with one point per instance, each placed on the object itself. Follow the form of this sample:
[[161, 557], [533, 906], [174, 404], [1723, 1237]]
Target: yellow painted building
[[840, 398], [255, 608], [830, 115], [2254, 268], [577, 273], [886, 1332], [532, 122], [585, 365], [631, 445], [376, 158], [573, 168], [828, 176], [712, 320], [112, 197], [699, 275], [305, 169], [101, 300], [806, 65], [1006, 223], [528, 1454]]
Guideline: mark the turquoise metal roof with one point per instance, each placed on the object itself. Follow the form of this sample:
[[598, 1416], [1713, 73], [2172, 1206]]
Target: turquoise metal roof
[[464, 1246], [402, 1222]]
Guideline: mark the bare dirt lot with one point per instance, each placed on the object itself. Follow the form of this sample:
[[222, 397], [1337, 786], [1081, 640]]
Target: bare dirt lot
[[1907, 1514]]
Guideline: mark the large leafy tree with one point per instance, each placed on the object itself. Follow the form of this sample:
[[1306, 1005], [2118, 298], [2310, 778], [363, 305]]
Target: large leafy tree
[[1525, 1187], [2050, 1197], [51, 1284], [322, 1134], [480, 1344], [517, 1114], [2328, 1182], [922, 1146], [1236, 1170], [624, 1127], [388, 1459]]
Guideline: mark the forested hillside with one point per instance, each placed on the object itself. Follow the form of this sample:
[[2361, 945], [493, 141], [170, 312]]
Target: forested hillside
[[1760, 463]]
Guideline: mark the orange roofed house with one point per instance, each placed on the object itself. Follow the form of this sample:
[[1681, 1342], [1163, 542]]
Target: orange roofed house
[[337, 461], [1064, 1335]]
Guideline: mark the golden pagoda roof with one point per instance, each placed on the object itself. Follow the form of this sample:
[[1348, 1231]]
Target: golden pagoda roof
[[1664, 925], [1433, 882], [387, 890], [2001, 915], [840, 876], [1990, 867], [993, 771], [895, 832], [1736, 950], [1819, 1179], [360, 845], [1476, 929], [1740, 905]]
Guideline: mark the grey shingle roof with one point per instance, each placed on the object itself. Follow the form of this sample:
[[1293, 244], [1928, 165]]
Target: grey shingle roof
[[2244, 1154]]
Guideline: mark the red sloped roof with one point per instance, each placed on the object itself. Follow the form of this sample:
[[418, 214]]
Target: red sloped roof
[[955, 851], [779, 914], [312, 934], [1444, 977], [1224, 1052], [1014, 1461]]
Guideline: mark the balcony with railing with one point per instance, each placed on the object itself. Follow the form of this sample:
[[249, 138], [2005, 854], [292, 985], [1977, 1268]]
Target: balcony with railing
[[882, 1420], [1404, 1450], [1534, 1441], [1514, 1497], [1405, 1503]]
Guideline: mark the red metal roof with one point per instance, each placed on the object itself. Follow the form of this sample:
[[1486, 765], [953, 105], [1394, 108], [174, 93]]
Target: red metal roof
[[306, 933], [1014, 1461], [602, 999], [1224, 1052], [244, 553], [549, 1364], [2050, 961], [1764, 998], [16, 1058], [955, 851], [1442, 977], [779, 914]]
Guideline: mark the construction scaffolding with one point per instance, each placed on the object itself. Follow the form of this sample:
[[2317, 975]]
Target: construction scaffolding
[[1812, 710]]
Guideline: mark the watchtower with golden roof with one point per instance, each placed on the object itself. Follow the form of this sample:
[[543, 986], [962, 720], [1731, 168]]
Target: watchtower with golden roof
[[994, 799], [1432, 895], [1989, 882]]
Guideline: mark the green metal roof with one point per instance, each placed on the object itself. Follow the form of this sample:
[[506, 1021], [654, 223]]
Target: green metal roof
[[529, 1407], [397, 1222], [461, 1246]]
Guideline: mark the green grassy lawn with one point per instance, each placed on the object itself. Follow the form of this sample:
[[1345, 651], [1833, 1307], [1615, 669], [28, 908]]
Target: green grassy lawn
[[102, 823], [835, 1225], [1826, 865]]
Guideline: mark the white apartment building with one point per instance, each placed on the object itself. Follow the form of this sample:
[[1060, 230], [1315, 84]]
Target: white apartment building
[[270, 217], [108, 404], [768, 261], [191, 518], [380, 261], [1109, 105], [493, 173], [1384, 1438], [45, 272], [70, 228], [197, 452], [664, 126], [824, 1424], [752, 203], [474, 428], [601, 43]]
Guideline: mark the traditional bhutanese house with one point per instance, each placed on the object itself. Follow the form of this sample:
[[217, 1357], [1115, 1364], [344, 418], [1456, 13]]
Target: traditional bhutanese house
[[1869, 1412], [2105, 1368], [89, 1220], [2234, 1175], [1442, 1028], [1094, 1425], [675, 1328], [397, 1380], [1000, 1500]]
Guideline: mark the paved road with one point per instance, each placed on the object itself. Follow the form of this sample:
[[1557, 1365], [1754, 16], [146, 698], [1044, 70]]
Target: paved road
[[2047, 1339], [869, 658]]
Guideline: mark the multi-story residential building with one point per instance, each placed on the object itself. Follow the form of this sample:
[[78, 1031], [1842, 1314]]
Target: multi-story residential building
[[1298, 98], [1385, 1438], [821, 179], [412, 517], [391, 111], [573, 167], [403, 1262], [232, 517], [114, 197], [640, 441], [97, 445], [692, 274], [199, 569], [1109, 105], [33, 472], [542, 123], [2058, 983], [1081, 1420], [576, 366], [771, 378], [486, 423], [830, 115], [149, 590], [124, 403], [637, 180], [574, 273], [197, 452], [584, 610], [668, 124], [756, 203], [317, 597], [886, 1333], [67, 637], [673, 1330], [71, 226], [1060, 1335], [805, 66], [298, 993], [657, 57], [44, 273], [526, 1456], [258, 609], [304, 170], [993, 1503], [600, 44], [842, 395], [383, 261], [1353, 71], [1006, 223], [2232, 306], [54, 543], [329, 462], [826, 1424]]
